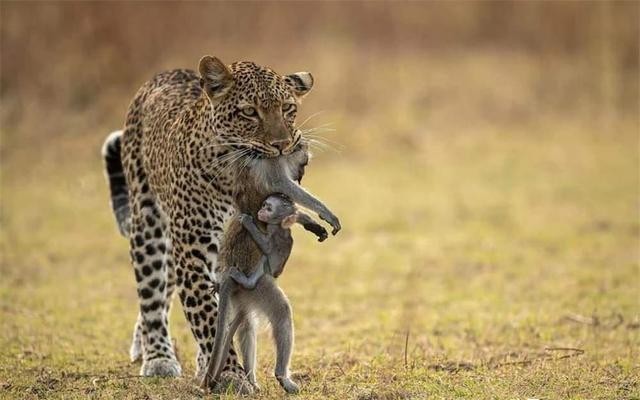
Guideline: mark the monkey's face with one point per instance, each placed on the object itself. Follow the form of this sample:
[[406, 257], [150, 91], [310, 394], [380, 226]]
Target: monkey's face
[[275, 209]]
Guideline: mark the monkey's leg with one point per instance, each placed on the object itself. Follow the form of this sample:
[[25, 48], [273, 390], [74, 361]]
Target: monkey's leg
[[248, 348], [278, 310], [237, 320], [300, 196]]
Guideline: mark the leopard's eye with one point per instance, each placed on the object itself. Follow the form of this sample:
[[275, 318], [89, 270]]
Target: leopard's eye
[[248, 111], [288, 107]]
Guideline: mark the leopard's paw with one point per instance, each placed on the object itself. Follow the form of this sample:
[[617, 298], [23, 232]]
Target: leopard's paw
[[232, 382], [168, 367]]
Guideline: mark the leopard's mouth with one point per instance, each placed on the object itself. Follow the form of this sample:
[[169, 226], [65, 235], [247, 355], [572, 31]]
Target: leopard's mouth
[[295, 147], [258, 155], [261, 154]]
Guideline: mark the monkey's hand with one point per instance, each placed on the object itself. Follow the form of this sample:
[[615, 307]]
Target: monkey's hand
[[245, 219], [332, 220], [318, 230]]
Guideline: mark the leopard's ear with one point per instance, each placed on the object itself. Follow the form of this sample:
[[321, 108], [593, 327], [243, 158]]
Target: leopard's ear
[[215, 77], [300, 82]]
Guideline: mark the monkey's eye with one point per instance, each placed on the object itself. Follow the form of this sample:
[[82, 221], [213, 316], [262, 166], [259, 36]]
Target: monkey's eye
[[248, 111], [288, 107]]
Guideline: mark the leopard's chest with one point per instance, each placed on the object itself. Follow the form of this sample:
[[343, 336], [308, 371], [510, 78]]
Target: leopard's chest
[[197, 204]]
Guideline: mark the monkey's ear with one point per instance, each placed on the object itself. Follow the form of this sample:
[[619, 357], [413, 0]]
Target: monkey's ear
[[289, 220], [300, 82], [215, 77]]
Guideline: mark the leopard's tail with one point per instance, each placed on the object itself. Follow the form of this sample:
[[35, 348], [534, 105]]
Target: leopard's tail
[[111, 153]]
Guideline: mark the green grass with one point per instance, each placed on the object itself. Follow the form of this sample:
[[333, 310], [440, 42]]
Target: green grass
[[464, 264]]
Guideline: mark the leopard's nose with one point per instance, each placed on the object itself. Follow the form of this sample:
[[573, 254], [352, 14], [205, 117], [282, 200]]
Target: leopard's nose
[[281, 144]]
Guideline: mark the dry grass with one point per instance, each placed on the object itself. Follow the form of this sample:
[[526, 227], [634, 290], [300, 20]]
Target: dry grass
[[488, 192]]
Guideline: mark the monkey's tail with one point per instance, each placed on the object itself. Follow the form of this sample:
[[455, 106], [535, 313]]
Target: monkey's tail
[[112, 156]]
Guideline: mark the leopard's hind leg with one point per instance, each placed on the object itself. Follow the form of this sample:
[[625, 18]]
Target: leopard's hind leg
[[154, 278]]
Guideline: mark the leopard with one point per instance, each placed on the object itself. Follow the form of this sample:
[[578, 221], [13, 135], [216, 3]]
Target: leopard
[[172, 174]]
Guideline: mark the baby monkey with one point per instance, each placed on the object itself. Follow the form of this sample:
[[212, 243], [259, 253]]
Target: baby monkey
[[279, 213]]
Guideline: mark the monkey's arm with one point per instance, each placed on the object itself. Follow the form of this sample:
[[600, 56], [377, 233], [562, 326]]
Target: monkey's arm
[[300, 196], [312, 226], [248, 282], [260, 238]]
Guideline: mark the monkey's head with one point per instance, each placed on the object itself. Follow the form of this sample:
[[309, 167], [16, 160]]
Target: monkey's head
[[278, 209]]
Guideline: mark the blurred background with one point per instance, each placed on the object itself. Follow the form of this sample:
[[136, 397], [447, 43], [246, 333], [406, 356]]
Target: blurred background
[[483, 157], [421, 67]]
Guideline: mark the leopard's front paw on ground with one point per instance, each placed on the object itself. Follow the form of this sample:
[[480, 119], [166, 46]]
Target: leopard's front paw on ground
[[232, 382], [167, 367]]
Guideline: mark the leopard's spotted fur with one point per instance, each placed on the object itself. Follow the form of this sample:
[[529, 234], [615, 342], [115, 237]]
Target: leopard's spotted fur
[[185, 138]]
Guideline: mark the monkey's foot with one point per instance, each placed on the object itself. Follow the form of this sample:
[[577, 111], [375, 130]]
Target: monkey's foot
[[168, 367], [288, 385], [256, 386], [231, 382]]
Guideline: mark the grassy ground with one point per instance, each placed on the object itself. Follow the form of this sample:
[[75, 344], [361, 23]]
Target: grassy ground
[[490, 265], [488, 186]]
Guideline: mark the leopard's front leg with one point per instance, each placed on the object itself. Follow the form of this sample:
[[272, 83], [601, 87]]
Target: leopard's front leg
[[139, 331], [195, 258], [149, 245]]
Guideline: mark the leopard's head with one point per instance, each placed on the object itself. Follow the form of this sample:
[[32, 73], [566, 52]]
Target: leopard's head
[[254, 108]]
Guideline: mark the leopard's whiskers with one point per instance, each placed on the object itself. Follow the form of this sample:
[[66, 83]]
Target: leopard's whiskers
[[211, 146], [247, 160], [309, 118], [208, 168], [322, 146], [230, 163], [324, 140], [321, 128], [224, 158]]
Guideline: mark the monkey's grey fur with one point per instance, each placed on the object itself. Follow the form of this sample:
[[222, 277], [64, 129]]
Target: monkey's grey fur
[[239, 249]]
